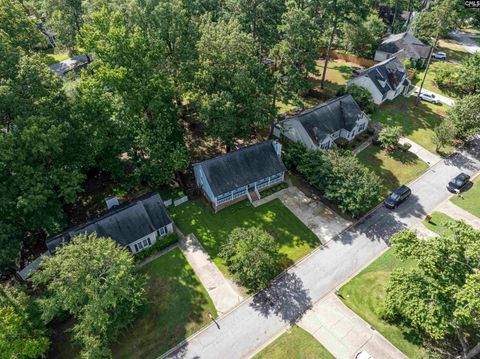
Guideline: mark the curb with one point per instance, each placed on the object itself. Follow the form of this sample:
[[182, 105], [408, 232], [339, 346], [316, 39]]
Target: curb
[[300, 261]]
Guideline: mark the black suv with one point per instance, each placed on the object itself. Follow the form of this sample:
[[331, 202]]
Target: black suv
[[395, 198], [458, 183]]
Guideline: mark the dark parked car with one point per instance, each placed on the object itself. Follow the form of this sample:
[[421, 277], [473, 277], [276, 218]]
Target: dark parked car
[[395, 198], [458, 183]]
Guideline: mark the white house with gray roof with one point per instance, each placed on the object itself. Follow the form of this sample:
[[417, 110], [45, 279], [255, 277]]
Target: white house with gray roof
[[136, 225], [319, 127], [385, 80], [241, 174]]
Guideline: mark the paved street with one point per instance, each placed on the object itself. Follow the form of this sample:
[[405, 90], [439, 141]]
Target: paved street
[[471, 45], [257, 320], [344, 333]]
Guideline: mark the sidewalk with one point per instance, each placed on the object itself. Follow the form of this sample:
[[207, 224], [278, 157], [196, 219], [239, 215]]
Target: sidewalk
[[224, 294], [458, 213], [344, 333], [430, 158]]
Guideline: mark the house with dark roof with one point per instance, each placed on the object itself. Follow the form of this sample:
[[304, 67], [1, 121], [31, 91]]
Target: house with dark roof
[[402, 46], [318, 128], [74, 63], [385, 80], [240, 174], [135, 225]]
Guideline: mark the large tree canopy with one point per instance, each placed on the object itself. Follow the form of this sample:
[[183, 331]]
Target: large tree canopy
[[438, 295], [231, 84], [96, 282]]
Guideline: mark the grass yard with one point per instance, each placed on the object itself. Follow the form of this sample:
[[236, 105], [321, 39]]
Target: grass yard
[[455, 51], [417, 122], [470, 201], [394, 169], [178, 306], [438, 223], [296, 343], [364, 295], [212, 229], [430, 83], [337, 76]]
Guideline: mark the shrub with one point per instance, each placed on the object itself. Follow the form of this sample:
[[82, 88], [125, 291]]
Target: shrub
[[342, 143], [293, 154], [273, 189], [361, 96], [406, 146], [160, 244]]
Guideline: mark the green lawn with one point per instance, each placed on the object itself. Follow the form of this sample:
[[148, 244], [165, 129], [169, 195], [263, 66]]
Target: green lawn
[[430, 83], [212, 229], [296, 343], [178, 306], [364, 295], [470, 201], [337, 76], [417, 122], [455, 51], [438, 223], [394, 169]]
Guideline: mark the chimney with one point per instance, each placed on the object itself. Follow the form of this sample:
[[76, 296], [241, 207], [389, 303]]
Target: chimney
[[112, 201], [278, 148]]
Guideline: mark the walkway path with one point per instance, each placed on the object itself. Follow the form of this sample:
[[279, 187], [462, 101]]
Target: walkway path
[[258, 319], [443, 99], [224, 294], [430, 158], [320, 219], [343, 333], [458, 213]]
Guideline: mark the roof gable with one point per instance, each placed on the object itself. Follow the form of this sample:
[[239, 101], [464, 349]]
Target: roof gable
[[340, 113], [405, 41], [386, 75], [247, 165], [125, 224]]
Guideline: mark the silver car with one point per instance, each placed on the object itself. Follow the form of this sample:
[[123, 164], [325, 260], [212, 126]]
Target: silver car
[[440, 55], [429, 98]]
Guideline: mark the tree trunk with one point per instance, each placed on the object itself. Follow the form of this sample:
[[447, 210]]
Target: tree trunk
[[473, 352], [394, 15], [330, 44], [427, 67]]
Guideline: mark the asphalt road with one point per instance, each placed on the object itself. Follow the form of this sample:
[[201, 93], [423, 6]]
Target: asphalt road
[[259, 319]]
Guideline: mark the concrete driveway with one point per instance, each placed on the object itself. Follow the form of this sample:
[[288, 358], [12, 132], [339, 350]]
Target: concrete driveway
[[224, 294], [344, 333], [443, 99], [320, 219]]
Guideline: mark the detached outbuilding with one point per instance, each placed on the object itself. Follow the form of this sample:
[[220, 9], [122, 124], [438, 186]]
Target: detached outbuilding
[[241, 174], [75, 63]]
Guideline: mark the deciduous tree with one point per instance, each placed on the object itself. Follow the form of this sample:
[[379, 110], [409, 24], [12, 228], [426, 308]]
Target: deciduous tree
[[96, 282], [464, 115], [438, 295], [389, 136], [251, 254], [22, 334]]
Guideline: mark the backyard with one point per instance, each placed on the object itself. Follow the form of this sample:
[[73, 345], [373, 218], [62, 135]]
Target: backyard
[[212, 229], [296, 343], [337, 76], [395, 169], [470, 200], [178, 306], [417, 122], [364, 295]]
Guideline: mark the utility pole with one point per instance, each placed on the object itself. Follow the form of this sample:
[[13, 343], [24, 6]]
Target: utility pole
[[427, 67]]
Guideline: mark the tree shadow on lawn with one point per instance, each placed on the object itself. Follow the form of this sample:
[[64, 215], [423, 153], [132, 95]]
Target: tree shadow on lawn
[[177, 306], [212, 229], [286, 297], [403, 112], [346, 70]]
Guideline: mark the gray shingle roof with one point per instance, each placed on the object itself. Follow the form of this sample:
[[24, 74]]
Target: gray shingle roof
[[340, 113], [242, 167], [386, 75], [125, 224], [413, 47]]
